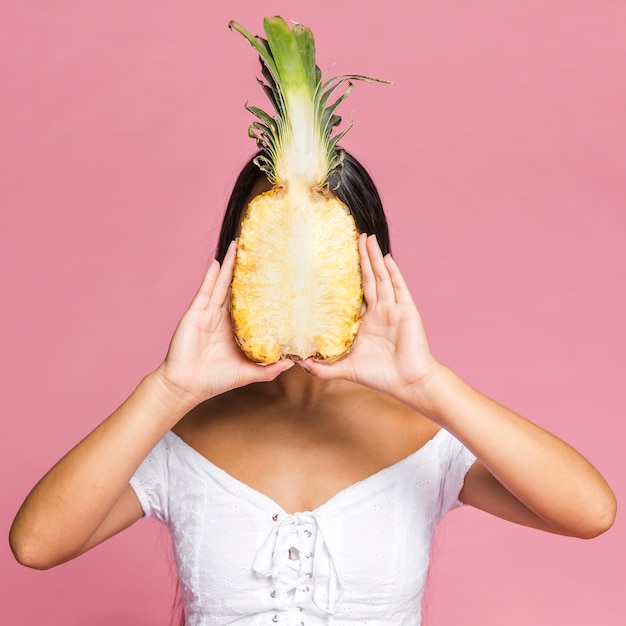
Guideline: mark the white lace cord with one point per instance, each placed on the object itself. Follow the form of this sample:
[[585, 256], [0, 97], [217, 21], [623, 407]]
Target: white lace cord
[[287, 534], [281, 538], [335, 584]]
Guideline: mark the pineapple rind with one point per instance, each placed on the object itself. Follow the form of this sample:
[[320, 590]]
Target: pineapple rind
[[299, 296]]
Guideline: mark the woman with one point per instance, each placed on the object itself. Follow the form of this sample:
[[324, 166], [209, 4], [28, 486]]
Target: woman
[[306, 493]]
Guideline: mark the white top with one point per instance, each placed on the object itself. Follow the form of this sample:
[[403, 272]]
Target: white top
[[359, 558]]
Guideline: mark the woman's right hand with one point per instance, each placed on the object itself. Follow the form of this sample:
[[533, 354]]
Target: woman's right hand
[[203, 359]]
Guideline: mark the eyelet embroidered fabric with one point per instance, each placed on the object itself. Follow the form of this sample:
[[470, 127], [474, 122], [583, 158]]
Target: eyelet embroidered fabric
[[359, 558]]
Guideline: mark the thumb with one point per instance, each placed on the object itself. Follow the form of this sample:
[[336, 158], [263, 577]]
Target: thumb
[[270, 372], [325, 371]]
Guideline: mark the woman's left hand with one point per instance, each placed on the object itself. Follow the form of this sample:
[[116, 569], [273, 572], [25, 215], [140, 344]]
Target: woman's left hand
[[391, 352], [519, 474]]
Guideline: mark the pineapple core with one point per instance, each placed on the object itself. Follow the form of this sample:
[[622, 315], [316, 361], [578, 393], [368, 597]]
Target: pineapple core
[[296, 289]]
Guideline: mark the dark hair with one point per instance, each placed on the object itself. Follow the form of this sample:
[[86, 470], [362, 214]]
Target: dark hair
[[350, 182]]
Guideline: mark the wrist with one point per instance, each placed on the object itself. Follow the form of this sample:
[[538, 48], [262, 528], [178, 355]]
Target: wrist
[[177, 400], [431, 394]]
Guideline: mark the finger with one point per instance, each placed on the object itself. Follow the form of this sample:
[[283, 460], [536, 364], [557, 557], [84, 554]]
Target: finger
[[225, 276], [203, 295], [403, 295], [367, 275], [384, 288], [323, 370]]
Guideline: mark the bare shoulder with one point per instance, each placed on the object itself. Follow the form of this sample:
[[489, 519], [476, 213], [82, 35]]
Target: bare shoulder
[[225, 406], [390, 423]]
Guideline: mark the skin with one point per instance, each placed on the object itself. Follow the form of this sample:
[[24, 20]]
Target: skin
[[302, 432]]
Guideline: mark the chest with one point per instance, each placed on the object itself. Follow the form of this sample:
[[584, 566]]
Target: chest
[[300, 460]]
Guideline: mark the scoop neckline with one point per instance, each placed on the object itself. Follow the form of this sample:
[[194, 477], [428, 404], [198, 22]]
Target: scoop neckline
[[257, 495]]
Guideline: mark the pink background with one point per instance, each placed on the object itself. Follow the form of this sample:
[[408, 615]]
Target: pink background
[[500, 153]]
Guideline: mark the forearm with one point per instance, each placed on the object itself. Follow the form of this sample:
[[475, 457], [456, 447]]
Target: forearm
[[73, 499], [544, 473]]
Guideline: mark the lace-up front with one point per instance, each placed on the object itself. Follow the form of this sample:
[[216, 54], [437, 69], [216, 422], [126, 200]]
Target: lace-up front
[[297, 560], [360, 558]]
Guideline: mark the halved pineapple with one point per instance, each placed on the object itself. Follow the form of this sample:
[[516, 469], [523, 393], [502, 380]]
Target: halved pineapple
[[296, 289]]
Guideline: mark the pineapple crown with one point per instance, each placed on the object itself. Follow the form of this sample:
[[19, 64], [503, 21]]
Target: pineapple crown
[[298, 141]]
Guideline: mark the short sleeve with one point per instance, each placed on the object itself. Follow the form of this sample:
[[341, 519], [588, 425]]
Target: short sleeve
[[456, 462], [151, 482]]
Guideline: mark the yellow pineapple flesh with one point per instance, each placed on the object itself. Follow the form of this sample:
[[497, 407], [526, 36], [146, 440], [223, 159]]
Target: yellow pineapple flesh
[[296, 289]]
